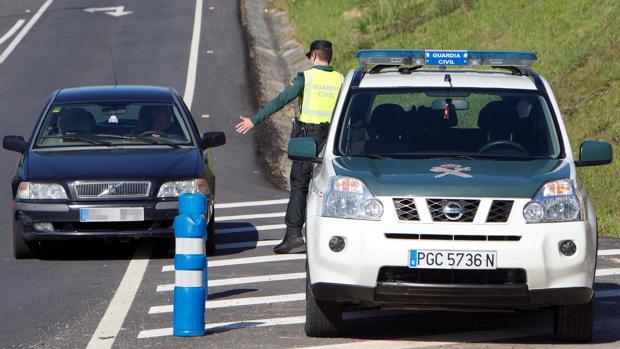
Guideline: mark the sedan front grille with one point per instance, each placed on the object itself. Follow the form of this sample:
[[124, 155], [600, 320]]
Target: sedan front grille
[[112, 189], [452, 210], [405, 209]]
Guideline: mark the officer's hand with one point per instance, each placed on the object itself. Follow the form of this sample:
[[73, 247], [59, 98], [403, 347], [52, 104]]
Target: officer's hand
[[245, 125]]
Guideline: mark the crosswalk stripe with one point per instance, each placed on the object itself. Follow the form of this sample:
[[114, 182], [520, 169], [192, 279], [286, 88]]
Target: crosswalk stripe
[[246, 244], [249, 229], [608, 272], [237, 302], [250, 216], [608, 252], [243, 280], [251, 203], [247, 260]]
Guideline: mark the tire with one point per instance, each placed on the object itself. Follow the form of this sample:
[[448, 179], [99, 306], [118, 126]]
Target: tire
[[574, 323], [323, 319], [210, 244], [22, 249]]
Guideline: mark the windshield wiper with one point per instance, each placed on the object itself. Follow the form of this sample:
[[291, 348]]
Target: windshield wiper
[[78, 138], [143, 139], [371, 156]]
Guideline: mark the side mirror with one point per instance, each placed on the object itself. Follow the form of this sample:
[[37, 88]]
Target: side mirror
[[15, 143], [303, 149], [592, 153], [212, 139]]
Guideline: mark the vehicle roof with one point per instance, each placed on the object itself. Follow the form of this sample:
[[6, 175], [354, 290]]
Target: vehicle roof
[[114, 93], [460, 78]]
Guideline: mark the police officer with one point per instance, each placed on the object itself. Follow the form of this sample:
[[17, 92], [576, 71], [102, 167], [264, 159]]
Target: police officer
[[317, 89]]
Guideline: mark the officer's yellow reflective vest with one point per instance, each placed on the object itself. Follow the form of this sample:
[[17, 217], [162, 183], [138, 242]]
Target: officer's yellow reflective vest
[[321, 90]]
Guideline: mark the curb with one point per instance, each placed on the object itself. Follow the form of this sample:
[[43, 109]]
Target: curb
[[277, 56]]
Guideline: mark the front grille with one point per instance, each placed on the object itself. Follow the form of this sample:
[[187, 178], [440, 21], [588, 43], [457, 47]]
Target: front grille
[[500, 211], [452, 276], [468, 207], [112, 189], [405, 209], [453, 237]]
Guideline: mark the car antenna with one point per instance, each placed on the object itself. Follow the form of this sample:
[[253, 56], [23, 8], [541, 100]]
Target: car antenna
[[113, 68]]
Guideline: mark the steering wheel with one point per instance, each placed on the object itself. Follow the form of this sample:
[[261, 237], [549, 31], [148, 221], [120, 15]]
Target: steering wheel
[[501, 143], [151, 132]]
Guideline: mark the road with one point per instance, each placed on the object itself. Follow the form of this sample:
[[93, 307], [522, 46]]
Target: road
[[253, 302]]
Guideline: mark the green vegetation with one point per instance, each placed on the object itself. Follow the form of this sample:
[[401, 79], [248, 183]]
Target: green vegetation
[[577, 43]]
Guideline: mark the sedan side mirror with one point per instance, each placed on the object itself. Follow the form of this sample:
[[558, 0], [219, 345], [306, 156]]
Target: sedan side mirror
[[592, 153], [212, 139], [15, 143], [303, 149]]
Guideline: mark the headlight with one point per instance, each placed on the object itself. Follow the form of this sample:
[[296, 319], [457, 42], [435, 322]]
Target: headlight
[[556, 201], [349, 198], [177, 188], [40, 191]]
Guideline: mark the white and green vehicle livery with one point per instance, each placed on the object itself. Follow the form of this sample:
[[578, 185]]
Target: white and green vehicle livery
[[442, 186]]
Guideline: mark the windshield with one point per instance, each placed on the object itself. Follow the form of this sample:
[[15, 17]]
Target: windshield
[[113, 124], [472, 123]]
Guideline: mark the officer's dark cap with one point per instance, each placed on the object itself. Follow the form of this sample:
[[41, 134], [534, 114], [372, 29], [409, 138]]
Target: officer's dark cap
[[319, 45]]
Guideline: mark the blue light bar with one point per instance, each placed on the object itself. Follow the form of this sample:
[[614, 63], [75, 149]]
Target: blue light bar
[[446, 58]]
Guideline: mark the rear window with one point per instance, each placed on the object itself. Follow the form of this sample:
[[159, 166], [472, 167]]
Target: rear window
[[476, 123]]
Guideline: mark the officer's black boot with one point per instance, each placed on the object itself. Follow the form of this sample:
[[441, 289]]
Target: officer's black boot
[[291, 240]]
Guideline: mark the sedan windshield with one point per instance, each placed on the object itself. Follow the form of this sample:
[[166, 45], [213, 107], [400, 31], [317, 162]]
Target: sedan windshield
[[471, 124], [113, 124]]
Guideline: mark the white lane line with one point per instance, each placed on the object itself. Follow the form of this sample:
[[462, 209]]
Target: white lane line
[[242, 280], [249, 229], [247, 260], [237, 302], [250, 216], [251, 203], [12, 31], [192, 66], [607, 293], [608, 252], [246, 244], [113, 319], [24, 31], [608, 272]]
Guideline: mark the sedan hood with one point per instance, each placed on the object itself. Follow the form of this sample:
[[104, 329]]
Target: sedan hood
[[452, 178], [114, 164]]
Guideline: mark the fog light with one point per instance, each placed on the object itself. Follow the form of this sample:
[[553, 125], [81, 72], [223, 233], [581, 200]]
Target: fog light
[[44, 226], [568, 247], [336, 244]]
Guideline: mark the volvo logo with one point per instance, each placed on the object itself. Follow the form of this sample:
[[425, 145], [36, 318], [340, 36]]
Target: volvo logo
[[453, 211], [112, 188]]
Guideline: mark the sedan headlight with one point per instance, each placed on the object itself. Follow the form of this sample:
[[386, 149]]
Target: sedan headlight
[[556, 201], [40, 191], [350, 198], [177, 188]]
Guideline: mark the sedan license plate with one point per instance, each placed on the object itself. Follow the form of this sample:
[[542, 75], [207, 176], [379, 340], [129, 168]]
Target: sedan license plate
[[442, 259], [112, 214]]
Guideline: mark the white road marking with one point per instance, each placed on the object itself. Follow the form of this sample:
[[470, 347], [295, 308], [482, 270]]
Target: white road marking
[[112, 320], [24, 30], [607, 293], [242, 280], [115, 11], [237, 302], [252, 203], [247, 260], [249, 229], [192, 66], [12, 31], [608, 252], [608, 272], [250, 216], [246, 244]]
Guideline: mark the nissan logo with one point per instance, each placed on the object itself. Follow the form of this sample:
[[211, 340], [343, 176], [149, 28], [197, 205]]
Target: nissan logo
[[453, 211]]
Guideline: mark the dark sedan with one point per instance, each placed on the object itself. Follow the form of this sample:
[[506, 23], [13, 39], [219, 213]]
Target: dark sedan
[[109, 162]]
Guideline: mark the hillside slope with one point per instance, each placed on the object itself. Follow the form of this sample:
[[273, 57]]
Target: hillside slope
[[577, 43]]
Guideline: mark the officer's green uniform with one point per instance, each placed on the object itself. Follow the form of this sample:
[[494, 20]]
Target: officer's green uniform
[[317, 89]]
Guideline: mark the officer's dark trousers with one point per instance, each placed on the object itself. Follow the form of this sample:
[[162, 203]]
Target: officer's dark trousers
[[301, 173]]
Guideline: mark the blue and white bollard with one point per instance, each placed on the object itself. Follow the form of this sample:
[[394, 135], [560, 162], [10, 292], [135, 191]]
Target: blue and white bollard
[[190, 266]]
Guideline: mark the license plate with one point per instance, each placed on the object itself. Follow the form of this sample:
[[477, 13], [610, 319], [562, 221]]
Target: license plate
[[442, 259], [112, 214]]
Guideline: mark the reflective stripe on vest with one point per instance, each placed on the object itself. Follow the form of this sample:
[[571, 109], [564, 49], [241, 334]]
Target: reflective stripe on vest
[[321, 90]]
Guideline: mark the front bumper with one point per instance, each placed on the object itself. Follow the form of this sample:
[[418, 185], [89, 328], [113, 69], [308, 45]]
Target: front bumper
[[65, 218]]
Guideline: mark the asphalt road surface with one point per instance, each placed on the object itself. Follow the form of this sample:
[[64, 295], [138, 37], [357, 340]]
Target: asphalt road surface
[[75, 297]]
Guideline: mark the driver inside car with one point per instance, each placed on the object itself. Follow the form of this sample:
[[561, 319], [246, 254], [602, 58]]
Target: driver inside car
[[156, 120]]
